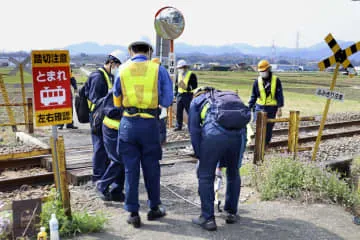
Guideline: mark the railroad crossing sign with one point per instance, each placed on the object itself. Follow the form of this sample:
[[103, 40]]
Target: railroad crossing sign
[[17, 63], [340, 57], [51, 82]]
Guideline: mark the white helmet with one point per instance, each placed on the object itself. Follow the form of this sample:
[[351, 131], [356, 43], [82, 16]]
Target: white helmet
[[181, 63], [118, 55]]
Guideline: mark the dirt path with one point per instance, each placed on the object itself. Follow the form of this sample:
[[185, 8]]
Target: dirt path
[[258, 220]]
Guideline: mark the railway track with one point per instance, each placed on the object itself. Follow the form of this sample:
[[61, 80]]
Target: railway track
[[79, 165]]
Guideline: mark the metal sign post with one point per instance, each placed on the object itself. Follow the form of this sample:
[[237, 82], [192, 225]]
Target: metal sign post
[[340, 57], [53, 106], [169, 24]]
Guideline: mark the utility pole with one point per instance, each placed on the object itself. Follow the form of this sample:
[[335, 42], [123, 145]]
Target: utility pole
[[297, 60], [273, 50]]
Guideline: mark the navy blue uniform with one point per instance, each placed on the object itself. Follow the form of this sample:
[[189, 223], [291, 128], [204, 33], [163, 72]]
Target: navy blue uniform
[[111, 183], [213, 144], [139, 143], [95, 89], [270, 110]]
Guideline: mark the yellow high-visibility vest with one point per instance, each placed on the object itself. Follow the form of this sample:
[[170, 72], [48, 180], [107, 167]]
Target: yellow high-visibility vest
[[139, 87], [203, 112], [185, 79], [269, 100], [111, 123], [109, 85]]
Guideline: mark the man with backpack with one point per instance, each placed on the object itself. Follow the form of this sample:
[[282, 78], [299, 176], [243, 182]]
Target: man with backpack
[[96, 87], [217, 125]]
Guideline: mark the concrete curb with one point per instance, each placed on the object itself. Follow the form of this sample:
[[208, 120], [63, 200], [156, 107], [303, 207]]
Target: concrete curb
[[26, 138]]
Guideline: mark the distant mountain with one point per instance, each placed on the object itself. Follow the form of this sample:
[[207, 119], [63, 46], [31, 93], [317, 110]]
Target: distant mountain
[[315, 52], [93, 48]]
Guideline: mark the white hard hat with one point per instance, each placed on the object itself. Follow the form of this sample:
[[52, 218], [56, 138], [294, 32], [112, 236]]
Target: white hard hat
[[118, 55], [181, 63]]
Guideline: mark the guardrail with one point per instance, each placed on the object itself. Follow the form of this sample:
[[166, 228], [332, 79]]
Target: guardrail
[[29, 124], [293, 134]]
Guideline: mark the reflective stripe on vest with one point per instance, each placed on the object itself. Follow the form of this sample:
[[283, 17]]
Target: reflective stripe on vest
[[183, 87], [111, 123], [108, 83], [269, 100], [203, 112], [139, 87]]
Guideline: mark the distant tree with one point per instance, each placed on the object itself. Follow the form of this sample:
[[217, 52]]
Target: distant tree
[[282, 61]]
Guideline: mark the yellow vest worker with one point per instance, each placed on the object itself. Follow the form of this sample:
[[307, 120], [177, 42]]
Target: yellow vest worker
[[96, 87], [140, 88], [185, 83], [267, 96]]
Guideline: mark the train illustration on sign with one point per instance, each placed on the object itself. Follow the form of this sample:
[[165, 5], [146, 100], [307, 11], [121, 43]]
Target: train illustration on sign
[[55, 96]]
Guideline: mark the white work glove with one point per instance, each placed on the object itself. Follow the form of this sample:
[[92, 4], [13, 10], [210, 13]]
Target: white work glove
[[163, 113]]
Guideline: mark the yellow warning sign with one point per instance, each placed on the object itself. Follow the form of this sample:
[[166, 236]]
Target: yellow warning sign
[[340, 55], [50, 58]]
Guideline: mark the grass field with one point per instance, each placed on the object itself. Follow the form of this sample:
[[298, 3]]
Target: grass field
[[299, 88]]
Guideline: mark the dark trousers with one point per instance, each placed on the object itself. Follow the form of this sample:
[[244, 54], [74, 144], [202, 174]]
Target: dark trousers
[[162, 126], [217, 146], [271, 113], [139, 145], [100, 160], [183, 101], [114, 177]]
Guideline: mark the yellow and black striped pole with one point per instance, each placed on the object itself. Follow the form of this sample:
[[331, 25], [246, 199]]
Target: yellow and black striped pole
[[324, 116]]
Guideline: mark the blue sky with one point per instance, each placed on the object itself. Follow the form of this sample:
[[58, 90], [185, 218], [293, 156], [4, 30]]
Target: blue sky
[[46, 24]]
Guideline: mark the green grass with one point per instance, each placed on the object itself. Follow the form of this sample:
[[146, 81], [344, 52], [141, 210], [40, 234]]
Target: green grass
[[81, 222], [299, 88], [286, 178], [16, 78]]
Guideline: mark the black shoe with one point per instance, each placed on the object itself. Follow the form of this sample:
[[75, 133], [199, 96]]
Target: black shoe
[[135, 221], [117, 197], [71, 127], [177, 129], [104, 196], [155, 214], [61, 127], [209, 224], [231, 218]]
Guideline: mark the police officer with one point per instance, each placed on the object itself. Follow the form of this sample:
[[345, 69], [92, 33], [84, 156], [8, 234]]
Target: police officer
[[140, 87], [267, 96], [185, 82], [214, 144], [96, 87], [111, 185]]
